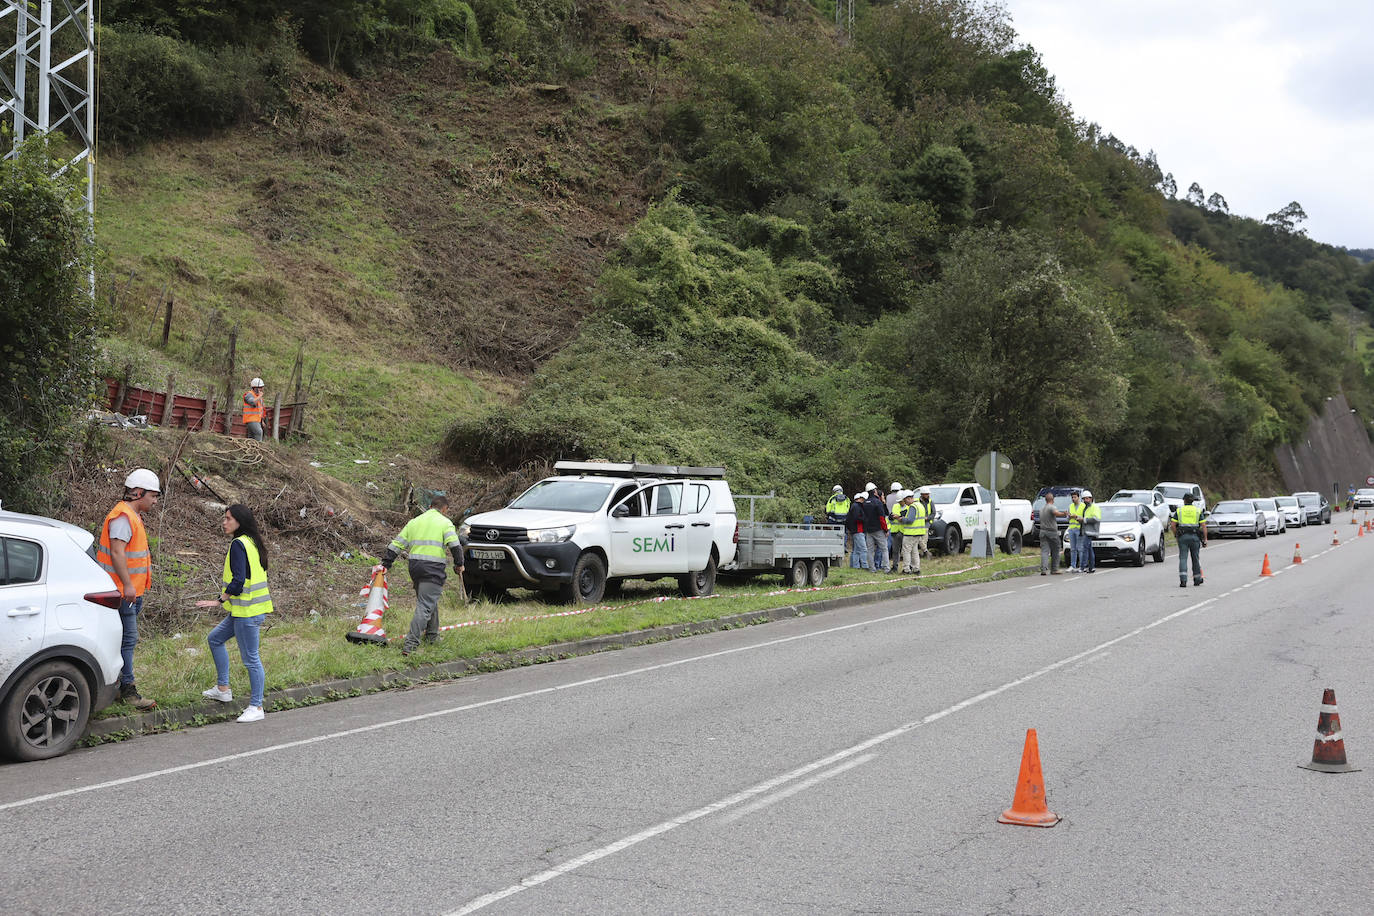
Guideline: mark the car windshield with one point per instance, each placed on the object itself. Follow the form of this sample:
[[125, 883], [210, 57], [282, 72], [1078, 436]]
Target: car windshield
[[1288, 502], [1309, 499], [565, 495], [942, 495], [1174, 492], [1234, 508], [1120, 513], [1267, 504], [1364, 491], [1131, 496]]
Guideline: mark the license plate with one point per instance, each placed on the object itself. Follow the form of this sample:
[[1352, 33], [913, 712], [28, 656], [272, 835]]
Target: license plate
[[489, 564], [488, 554]]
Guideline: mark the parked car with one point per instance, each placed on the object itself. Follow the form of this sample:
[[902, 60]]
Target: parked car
[[1235, 518], [1129, 532], [1151, 498], [1174, 491], [1315, 505], [1293, 514], [1364, 498], [1062, 500], [1269, 512], [59, 636]]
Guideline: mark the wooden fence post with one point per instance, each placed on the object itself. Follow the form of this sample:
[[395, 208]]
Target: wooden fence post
[[167, 324], [123, 388], [166, 418], [276, 418]]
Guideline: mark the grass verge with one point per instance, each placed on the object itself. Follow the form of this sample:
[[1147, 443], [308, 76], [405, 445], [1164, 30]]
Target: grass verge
[[175, 669]]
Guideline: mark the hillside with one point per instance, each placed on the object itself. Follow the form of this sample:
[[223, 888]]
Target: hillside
[[688, 231]]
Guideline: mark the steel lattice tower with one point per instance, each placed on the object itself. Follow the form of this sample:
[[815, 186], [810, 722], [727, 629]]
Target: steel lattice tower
[[48, 75]]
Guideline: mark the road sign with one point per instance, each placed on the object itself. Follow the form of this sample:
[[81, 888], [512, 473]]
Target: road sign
[[983, 471], [1369, 481]]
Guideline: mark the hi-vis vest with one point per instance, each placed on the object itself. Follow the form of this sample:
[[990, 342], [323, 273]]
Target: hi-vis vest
[[1076, 515], [1188, 517], [838, 505], [924, 512], [252, 408], [898, 523], [255, 598], [426, 537], [140, 562]]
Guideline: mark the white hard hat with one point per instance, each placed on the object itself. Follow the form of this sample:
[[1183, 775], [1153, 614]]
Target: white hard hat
[[925, 491], [908, 493], [1087, 494], [142, 479], [837, 489], [870, 486], [895, 486], [860, 495], [255, 383]]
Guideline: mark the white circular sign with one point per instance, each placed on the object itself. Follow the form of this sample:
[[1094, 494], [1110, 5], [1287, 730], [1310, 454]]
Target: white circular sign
[[1369, 481]]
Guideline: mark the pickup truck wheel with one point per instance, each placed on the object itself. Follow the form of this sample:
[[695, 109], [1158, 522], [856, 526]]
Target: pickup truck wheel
[[954, 541], [699, 584], [588, 582], [46, 712], [800, 574], [1012, 542], [818, 571]]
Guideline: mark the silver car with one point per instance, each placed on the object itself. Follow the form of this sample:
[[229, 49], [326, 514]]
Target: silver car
[[1235, 518], [1273, 518]]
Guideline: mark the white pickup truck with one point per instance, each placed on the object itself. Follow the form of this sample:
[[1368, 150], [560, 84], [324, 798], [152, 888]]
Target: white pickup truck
[[962, 508], [598, 523]]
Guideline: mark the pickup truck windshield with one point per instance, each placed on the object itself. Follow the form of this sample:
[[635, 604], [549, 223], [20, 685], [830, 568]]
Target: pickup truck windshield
[[1175, 492], [942, 495], [565, 495]]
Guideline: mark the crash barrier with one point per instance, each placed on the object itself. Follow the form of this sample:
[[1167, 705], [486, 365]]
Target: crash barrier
[[370, 629], [1028, 807], [207, 414], [1328, 751]]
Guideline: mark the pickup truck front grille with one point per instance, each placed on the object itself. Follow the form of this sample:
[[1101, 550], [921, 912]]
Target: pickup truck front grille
[[482, 534]]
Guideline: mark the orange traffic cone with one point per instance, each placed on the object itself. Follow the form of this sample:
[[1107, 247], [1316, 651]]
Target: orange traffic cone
[[370, 629], [1265, 570], [1335, 541], [1297, 554], [1028, 806], [1328, 752], [1359, 532]]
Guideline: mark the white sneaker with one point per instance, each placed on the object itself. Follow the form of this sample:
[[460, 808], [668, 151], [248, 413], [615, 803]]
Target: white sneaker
[[252, 714], [214, 693]]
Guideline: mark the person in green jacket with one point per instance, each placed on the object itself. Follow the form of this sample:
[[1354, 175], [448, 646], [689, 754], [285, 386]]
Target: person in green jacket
[[425, 538]]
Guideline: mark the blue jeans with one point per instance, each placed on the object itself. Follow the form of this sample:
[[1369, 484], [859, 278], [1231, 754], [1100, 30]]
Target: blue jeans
[[1075, 549], [245, 631], [1089, 555], [128, 618], [858, 555]]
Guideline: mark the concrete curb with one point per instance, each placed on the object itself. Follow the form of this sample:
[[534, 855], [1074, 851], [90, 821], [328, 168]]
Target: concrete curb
[[161, 720]]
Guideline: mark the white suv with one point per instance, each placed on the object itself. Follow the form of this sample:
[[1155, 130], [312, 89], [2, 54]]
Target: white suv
[[599, 522], [59, 636]]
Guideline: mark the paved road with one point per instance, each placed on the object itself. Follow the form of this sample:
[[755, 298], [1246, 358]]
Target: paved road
[[853, 761]]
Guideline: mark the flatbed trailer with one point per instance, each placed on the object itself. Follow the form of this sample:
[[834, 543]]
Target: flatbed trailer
[[803, 554]]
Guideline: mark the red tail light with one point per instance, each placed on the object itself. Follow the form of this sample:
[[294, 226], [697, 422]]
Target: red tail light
[[736, 537], [109, 599]]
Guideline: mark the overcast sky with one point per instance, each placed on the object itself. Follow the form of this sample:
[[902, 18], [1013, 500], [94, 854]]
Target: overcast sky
[[1262, 101]]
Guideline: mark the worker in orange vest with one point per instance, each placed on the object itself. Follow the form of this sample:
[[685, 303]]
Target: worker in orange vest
[[253, 409], [123, 553]]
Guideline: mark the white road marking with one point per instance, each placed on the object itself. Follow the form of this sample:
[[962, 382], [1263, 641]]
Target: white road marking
[[793, 789], [768, 785], [406, 720]]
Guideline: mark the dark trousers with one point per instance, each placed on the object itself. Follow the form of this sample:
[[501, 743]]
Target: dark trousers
[[1188, 546]]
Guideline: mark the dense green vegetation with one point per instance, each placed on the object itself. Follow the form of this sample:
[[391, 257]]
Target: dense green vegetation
[[886, 256], [47, 353]]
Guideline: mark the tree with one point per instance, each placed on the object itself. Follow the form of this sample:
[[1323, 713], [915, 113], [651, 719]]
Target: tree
[[1168, 186], [1287, 219], [1218, 203], [48, 319], [1195, 194]]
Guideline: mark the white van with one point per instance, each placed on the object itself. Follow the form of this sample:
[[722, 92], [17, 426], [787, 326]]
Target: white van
[[598, 522], [1173, 492]]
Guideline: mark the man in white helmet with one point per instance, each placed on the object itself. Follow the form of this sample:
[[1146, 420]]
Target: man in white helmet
[[123, 553], [254, 407], [837, 509]]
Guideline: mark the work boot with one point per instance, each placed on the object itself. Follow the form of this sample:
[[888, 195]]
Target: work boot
[[1182, 582], [1197, 581], [128, 693]]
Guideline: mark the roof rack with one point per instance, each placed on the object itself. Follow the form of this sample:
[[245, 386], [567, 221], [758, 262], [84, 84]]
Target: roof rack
[[636, 469]]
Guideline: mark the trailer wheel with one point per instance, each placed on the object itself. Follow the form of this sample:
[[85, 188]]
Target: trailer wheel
[[800, 574], [818, 571]]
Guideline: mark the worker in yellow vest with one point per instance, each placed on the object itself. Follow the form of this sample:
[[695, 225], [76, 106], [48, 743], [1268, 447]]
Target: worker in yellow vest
[[1076, 507], [1191, 530], [1092, 526], [925, 517], [248, 600], [253, 409], [425, 538], [123, 553], [837, 510]]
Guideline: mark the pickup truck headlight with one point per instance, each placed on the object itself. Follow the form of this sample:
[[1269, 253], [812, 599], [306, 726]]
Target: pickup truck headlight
[[552, 535], [465, 531]]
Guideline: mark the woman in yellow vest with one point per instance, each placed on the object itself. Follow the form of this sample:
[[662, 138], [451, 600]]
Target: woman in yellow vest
[[247, 599]]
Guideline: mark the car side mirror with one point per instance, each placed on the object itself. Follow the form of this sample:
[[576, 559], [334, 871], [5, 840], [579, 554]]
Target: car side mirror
[[967, 501], [621, 511]]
